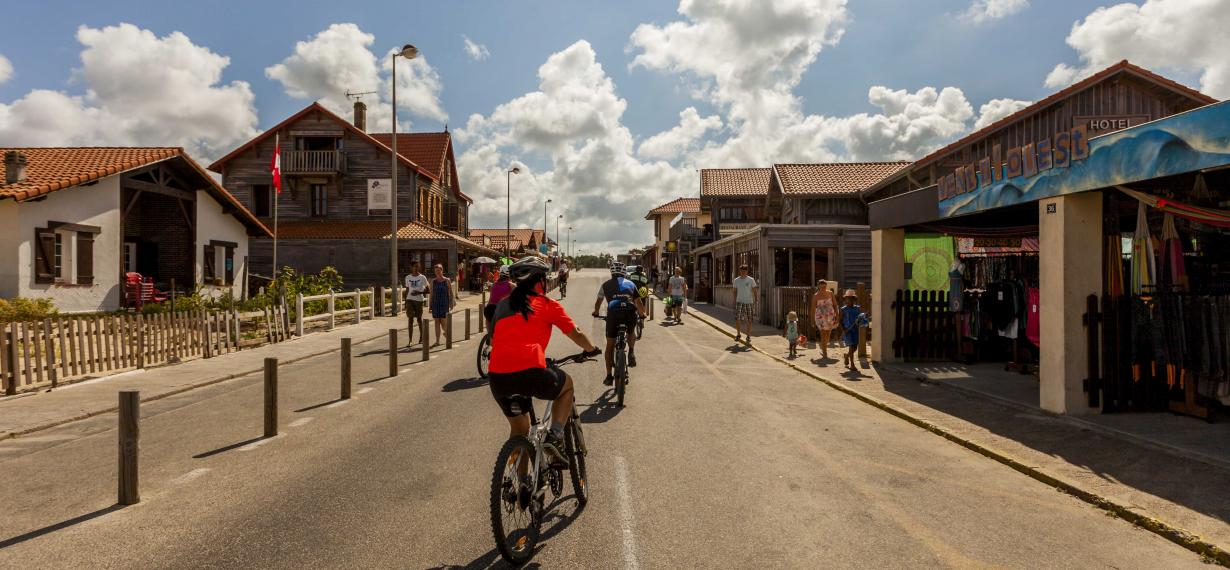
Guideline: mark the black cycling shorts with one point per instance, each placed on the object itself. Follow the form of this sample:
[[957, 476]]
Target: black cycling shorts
[[514, 391], [620, 317]]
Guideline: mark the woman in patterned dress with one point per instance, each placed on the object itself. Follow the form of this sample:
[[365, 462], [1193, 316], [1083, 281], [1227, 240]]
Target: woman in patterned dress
[[824, 305], [441, 301]]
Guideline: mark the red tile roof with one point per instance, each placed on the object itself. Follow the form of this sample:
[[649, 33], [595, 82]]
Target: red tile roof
[[368, 230], [1123, 66], [49, 169], [426, 149], [833, 178], [523, 235], [686, 205], [734, 181]]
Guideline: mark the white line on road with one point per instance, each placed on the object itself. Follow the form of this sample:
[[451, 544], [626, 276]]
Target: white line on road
[[625, 513], [189, 476], [300, 421], [336, 404], [364, 391]]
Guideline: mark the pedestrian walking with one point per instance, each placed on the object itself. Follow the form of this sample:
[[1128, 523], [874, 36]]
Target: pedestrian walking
[[851, 317], [442, 301], [416, 288], [747, 291], [678, 291], [499, 290], [792, 332], [824, 309]]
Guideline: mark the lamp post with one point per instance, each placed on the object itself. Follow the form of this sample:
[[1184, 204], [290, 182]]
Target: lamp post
[[544, 220], [508, 210], [558, 246], [569, 242], [409, 52]]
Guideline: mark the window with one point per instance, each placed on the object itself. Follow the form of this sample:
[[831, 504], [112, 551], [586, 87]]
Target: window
[[59, 272], [723, 270], [448, 173], [64, 253], [262, 201], [320, 200], [218, 263]]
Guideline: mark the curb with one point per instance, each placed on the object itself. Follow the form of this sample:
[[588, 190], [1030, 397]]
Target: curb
[[1188, 540]]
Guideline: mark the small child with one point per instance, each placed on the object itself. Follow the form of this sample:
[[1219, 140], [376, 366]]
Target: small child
[[851, 318], [792, 332]]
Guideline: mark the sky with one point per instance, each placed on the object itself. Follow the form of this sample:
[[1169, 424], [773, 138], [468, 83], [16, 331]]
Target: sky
[[610, 108]]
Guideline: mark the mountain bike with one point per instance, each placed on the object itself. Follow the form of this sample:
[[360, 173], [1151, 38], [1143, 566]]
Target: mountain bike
[[620, 370], [484, 355], [563, 288], [640, 327], [523, 477]]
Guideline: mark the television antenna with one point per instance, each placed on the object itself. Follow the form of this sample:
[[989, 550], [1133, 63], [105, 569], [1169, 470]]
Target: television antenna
[[358, 96]]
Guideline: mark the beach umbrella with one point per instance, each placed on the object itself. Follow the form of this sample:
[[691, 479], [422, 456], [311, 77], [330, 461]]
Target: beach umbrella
[[1172, 253], [1144, 264], [483, 260]]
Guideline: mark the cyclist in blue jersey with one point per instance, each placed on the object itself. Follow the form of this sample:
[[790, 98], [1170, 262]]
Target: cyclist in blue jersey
[[623, 306]]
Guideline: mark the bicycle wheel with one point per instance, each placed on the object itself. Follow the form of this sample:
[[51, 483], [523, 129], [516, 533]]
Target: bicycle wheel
[[640, 328], [514, 517], [621, 376], [574, 444], [484, 355]]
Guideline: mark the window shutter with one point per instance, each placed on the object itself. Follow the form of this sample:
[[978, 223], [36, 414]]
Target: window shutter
[[208, 264], [44, 256], [230, 266], [85, 258]]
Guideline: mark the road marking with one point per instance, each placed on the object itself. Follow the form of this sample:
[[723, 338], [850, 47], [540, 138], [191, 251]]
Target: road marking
[[625, 513], [259, 442], [300, 421], [189, 476], [336, 404], [363, 391]]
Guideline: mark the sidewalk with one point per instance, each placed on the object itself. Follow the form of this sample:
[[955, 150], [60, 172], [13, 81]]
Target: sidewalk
[[1129, 464], [34, 411]]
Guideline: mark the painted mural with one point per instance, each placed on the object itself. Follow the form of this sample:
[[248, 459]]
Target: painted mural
[[1190, 141]]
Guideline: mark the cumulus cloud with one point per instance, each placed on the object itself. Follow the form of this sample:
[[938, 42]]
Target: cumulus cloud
[[140, 89], [996, 109], [1157, 34], [983, 10], [6, 69], [339, 59], [670, 144], [476, 51]]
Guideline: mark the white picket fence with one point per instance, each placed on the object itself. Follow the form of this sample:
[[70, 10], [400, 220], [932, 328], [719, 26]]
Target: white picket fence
[[353, 315]]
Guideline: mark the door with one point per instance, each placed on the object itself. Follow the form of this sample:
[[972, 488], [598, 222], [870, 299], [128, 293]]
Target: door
[[704, 278]]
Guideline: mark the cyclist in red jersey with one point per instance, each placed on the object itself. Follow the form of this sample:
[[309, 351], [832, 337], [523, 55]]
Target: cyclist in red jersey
[[520, 333]]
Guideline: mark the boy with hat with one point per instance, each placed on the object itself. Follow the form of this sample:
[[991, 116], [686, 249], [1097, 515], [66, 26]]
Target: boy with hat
[[851, 319]]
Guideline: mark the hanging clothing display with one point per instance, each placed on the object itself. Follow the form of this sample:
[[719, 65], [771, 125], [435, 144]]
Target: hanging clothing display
[[1033, 330], [1144, 265]]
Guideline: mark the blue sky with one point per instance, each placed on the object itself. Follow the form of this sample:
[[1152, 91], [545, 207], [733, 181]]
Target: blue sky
[[902, 46]]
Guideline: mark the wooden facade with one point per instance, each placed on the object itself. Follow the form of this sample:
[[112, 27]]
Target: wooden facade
[[1124, 93]]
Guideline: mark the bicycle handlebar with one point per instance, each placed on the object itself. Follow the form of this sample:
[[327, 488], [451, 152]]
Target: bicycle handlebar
[[578, 357]]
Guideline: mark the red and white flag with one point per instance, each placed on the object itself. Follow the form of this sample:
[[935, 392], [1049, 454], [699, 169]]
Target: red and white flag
[[276, 168]]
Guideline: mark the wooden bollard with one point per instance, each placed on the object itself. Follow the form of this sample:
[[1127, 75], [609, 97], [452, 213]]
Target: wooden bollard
[[271, 397], [467, 324], [426, 341], [651, 308], [448, 332], [392, 352], [130, 447], [482, 319], [141, 342], [346, 369]]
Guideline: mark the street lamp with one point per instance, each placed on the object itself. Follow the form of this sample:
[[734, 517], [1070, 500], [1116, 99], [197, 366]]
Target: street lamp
[[409, 52], [569, 242], [508, 211], [544, 219], [559, 248]]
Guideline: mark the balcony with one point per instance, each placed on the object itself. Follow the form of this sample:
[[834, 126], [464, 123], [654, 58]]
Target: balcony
[[727, 229], [313, 162]]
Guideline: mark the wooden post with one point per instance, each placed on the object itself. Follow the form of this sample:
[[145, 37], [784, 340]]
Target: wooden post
[[129, 447], [346, 368], [378, 301], [448, 332], [392, 352], [482, 316], [467, 324], [172, 295], [271, 397], [49, 362], [140, 341], [298, 314], [651, 308], [426, 341], [10, 357]]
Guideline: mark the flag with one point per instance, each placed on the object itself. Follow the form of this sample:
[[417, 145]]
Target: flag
[[276, 168]]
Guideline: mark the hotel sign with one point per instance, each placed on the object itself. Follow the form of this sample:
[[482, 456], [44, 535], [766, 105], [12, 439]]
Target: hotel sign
[[1025, 161], [1102, 124]]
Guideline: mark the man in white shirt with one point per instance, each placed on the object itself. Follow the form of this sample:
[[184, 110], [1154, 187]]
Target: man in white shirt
[[747, 292], [678, 290], [416, 288]]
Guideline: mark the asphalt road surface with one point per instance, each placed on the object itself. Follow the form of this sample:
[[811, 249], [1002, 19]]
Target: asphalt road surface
[[722, 458]]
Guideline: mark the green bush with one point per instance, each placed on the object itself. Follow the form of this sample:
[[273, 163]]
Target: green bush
[[22, 309]]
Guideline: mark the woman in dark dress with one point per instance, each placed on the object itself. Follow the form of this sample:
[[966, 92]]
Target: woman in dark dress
[[441, 301]]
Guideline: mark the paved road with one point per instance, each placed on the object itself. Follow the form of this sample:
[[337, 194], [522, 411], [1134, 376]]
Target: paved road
[[721, 459]]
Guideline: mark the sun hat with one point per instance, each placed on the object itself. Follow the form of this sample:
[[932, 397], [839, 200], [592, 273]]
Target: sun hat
[[850, 293]]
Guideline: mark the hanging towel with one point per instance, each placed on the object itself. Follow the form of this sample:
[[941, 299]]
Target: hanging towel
[[1143, 263], [1172, 254]]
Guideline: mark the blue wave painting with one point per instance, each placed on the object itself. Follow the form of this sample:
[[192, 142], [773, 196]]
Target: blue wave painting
[[1194, 140]]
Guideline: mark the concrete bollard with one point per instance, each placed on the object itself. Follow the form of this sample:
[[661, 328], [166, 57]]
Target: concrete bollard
[[130, 447], [651, 308], [346, 384], [271, 397], [467, 324], [426, 341], [448, 332], [392, 352]]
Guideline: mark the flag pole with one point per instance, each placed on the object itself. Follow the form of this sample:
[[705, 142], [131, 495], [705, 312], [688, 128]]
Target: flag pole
[[276, 174]]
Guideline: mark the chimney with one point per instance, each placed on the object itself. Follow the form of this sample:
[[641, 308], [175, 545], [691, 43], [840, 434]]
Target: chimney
[[360, 115], [14, 167]]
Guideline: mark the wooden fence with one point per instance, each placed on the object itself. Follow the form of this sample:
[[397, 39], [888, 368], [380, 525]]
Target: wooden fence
[[47, 353], [331, 312], [926, 329]]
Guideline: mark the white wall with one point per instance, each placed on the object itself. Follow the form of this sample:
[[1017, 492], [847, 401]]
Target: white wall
[[212, 224], [95, 205]]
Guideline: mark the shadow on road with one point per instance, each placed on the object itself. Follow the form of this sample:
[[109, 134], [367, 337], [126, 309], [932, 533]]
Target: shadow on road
[[320, 405], [58, 526], [464, 384], [602, 410], [227, 448], [554, 521]]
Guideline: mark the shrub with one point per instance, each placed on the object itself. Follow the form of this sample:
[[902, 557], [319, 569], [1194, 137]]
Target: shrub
[[23, 309]]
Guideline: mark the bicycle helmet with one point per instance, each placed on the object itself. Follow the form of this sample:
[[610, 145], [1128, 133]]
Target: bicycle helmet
[[618, 270], [503, 271], [528, 268]]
